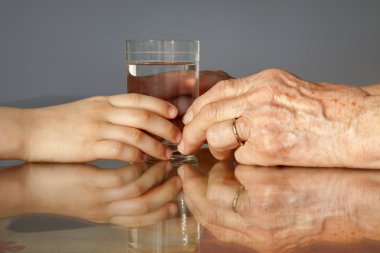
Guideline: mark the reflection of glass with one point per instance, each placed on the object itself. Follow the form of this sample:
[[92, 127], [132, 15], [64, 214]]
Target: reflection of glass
[[181, 234], [190, 228], [167, 69], [166, 236]]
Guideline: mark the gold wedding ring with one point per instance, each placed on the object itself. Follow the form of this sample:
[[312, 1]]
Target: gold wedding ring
[[236, 198], [240, 141]]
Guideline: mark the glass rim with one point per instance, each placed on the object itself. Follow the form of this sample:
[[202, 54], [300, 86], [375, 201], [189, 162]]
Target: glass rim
[[163, 40], [193, 44]]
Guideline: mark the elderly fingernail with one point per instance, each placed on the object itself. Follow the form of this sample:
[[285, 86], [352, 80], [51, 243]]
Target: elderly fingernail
[[187, 117], [178, 137], [172, 112], [181, 147]]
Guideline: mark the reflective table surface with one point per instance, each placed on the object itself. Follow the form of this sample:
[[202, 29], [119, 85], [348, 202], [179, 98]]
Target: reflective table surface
[[289, 210]]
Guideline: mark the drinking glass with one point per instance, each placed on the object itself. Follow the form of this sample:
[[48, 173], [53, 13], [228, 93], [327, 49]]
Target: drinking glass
[[167, 69]]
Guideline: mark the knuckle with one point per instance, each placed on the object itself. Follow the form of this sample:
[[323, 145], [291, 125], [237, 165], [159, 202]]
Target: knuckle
[[215, 217], [135, 135], [136, 190], [158, 148], [142, 207], [273, 72], [224, 87], [213, 193], [99, 99], [115, 149], [135, 223], [246, 207], [211, 111], [134, 172], [135, 98], [98, 106], [114, 180], [243, 128], [222, 235], [210, 218], [143, 116], [213, 137]]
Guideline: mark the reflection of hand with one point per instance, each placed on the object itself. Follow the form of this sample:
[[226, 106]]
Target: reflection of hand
[[129, 196], [283, 120], [101, 128], [10, 246], [282, 209]]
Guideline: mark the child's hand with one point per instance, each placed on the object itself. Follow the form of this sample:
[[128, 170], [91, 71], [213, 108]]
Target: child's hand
[[116, 127]]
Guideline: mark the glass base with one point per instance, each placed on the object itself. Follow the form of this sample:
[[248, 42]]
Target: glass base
[[177, 158]]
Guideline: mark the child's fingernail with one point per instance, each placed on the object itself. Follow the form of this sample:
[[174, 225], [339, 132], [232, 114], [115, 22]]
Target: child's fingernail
[[168, 153], [172, 111], [187, 117]]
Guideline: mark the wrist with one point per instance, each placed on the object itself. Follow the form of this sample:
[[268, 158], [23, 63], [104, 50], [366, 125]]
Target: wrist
[[14, 197], [363, 204], [15, 133], [365, 143], [373, 89]]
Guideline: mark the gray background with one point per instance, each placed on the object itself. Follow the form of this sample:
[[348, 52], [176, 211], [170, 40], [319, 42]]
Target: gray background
[[55, 51]]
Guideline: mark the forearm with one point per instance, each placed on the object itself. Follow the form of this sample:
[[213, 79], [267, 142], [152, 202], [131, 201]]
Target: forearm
[[14, 132]]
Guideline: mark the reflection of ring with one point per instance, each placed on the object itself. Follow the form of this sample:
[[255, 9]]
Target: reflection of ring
[[240, 141], [236, 198]]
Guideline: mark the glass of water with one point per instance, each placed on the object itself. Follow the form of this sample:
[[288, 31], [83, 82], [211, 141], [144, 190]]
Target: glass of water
[[167, 69]]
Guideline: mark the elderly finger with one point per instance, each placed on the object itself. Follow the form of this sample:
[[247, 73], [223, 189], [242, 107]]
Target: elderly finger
[[194, 134], [222, 138], [195, 190], [222, 185], [223, 90]]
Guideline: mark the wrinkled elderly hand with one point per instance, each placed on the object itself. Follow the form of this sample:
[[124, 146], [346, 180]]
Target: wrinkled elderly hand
[[283, 209], [132, 196], [285, 120]]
